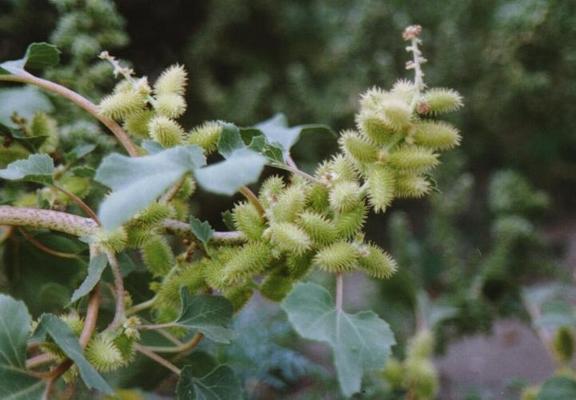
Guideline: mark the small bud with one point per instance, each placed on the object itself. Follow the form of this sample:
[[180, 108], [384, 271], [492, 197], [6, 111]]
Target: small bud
[[412, 32], [248, 220], [317, 227], [206, 136], [172, 81], [289, 205], [277, 285], [345, 196], [289, 237], [349, 223], [436, 135], [137, 123], [170, 105], [357, 147], [412, 186], [381, 188], [103, 354], [251, 259], [120, 105], [413, 159], [338, 257], [157, 255], [165, 131], [377, 263], [114, 241], [270, 190], [440, 100]]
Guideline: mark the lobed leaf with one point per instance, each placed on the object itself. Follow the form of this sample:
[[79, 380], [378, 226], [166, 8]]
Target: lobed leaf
[[202, 230], [219, 384], [210, 315], [95, 269], [360, 342], [36, 168], [137, 182], [38, 55]]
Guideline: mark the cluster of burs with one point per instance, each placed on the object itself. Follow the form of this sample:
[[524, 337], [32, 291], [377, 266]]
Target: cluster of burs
[[303, 222]]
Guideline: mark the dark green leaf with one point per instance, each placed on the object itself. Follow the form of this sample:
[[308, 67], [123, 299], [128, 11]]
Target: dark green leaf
[[242, 167], [15, 325], [52, 326], [95, 269], [211, 315], [259, 144], [230, 140], [220, 384], [38, 55], [360, 342], [36, 168], [202, 230], [30, 142], [137, 182], [83, 171], [558, 388], [80, 151]]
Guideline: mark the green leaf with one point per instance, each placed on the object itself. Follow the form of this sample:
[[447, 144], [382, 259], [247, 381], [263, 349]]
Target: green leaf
[[32, 143], [242, 167], [25, 101], [36, 168], [202, 230], [278, 132], [360, 341], [211, 315], [52, 326], [15, 325], [230, 140], [259, 143], [38, 55], [80, 151], [558, 388], [219, 384], [95, 269], [137, 182]]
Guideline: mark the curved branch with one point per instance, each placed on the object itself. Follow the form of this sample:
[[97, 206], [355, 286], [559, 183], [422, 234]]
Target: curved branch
[[47, 219], [81, 101]]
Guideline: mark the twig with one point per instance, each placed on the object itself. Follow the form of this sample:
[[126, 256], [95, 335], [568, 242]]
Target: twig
[[38, 360], [47, 219], [141, 306], [80, 203], [339, 291], [182, 228], [252, 198], [182, 348], [169, 195], [120, 313], [160, 360], [45, 248], [91, 108]]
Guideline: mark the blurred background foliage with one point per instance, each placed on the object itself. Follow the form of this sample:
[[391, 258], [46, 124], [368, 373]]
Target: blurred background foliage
[[513, 60], [467, 252]]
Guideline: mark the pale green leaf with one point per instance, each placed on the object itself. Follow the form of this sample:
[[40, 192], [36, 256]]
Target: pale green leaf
[[360, 342], [52, 326], [219, 384], [137, 182], [211, 315], [241, 168], [15, 324], [278, 132], [202, 230], [25, 101], [95, 269], [558, 388], [36, 168]]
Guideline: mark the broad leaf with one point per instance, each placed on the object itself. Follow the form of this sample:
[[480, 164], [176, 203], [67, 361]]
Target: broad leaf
[[360, 342], [278, 132], [202, 230], [558, 388], [25, 101], [211, 315], [230, 140], [259, 143], [219, 384], [241, 168], [38, 55], [137, 182], [61, 334], [36, 168], [15, 325], [95, 269]]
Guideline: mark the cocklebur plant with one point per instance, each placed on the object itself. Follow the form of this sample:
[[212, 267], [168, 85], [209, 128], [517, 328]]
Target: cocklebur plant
[[199, 277]]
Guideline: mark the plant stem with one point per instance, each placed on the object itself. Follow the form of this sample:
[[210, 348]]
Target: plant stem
[[339, 291], [81, 101], [120, 313], [182, 228], [47, 219], [295, 170], [38, 360], [252, 198], [160, 360], [45, 248], [152, 327], [182, 348], [80, 203], [141, 306]]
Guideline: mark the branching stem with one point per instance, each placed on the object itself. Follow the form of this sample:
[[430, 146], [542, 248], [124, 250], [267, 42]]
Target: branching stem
[[160, 360], [120, 313]]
